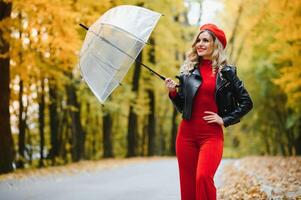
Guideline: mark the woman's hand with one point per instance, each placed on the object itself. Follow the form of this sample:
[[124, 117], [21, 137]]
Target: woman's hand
[[170, 84], [213, 118]]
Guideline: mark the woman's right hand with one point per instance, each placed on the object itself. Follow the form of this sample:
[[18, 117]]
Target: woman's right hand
[[171, 85]]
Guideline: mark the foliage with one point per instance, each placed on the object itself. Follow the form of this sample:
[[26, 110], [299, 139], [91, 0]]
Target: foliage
[[266, 49], [45, 40]]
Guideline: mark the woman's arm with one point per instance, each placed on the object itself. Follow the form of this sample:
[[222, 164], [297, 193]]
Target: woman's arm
[[245, 103], [175, 96]]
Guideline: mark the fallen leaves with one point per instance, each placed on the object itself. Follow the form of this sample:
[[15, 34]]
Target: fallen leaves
[[262, 178]]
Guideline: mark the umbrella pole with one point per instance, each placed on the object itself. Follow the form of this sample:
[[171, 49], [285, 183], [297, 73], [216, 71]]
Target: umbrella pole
[[159, 75], [84, 27]]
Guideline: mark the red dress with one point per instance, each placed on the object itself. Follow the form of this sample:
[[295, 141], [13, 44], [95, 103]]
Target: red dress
[[204, 100], [199, 145]]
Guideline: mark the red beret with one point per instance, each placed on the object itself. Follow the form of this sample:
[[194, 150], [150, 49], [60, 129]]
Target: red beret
[[219, 33]]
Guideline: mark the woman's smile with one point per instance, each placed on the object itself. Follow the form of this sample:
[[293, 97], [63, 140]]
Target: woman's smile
[[199, 49]]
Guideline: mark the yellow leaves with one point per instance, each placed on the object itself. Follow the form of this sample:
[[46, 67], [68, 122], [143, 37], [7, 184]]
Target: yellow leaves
[[49, 32], [274, 32], [288, 46], [289, 29], [290, 82]]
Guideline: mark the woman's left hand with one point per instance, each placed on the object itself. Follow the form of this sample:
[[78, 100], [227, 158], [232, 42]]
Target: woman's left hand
[[213, 118]]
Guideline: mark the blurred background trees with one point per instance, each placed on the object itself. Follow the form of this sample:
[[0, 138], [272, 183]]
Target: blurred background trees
[[265, 44], [48, 115]]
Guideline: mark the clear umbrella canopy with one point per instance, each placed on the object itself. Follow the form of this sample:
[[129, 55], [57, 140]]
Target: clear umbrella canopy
[[112, 44]]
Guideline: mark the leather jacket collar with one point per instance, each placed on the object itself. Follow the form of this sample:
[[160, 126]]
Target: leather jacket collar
[[220, 82]]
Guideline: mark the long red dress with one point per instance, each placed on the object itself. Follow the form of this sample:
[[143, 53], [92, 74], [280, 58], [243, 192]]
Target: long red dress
[[199, 145]]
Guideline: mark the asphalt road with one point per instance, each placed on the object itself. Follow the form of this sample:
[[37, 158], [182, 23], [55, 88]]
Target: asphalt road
[[155, 180]]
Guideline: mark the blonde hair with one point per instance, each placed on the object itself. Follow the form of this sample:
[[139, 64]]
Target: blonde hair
[[219, 58]]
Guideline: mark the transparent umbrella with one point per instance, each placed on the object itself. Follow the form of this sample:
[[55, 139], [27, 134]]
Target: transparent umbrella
[[112, 44]]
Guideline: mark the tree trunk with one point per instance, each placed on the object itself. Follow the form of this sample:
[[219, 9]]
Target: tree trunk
[[54, 121], [107, 136], [290, 142], [76, 127], [63, 136], [266, 140], [87, 127], [161, 142], [95, 130], [29, 149], [173, 132], [231, 42], [132, 122], [281, 145], [42, 121], [6, 141], [22, 126], [151, 129], [297, 141], [22, 117], [143, 151]]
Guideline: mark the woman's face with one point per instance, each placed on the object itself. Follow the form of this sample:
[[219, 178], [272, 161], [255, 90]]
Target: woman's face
[[204, 45]]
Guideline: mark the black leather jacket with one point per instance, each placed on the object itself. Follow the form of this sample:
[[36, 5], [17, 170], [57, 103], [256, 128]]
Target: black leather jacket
[[232, 99]]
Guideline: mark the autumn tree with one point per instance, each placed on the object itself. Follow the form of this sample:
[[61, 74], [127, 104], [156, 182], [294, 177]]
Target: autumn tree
[[6, 142], [267, 59]]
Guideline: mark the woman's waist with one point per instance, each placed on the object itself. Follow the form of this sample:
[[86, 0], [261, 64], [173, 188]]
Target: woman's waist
[[200, 113], [199, 123]]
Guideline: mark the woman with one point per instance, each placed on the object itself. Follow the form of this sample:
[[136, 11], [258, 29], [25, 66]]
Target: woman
[[209, 96]]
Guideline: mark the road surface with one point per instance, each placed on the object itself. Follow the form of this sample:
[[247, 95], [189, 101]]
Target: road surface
[[152, 180]]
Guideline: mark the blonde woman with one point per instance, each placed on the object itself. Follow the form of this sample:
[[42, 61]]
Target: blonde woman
[[209, 96]]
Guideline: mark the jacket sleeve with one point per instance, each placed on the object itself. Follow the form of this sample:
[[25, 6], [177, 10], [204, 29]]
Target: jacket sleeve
[[178, 98], [243, 98]]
